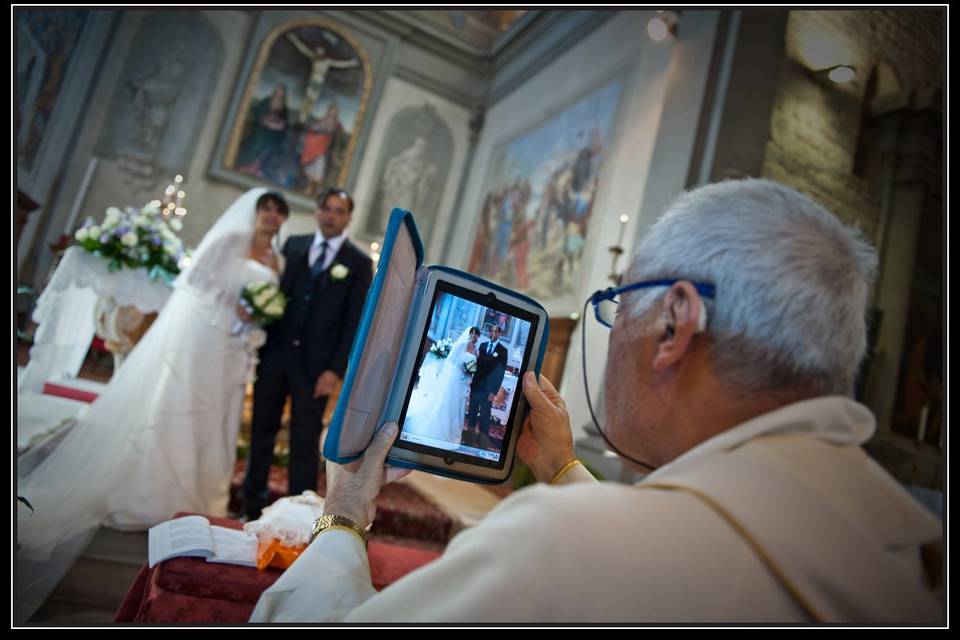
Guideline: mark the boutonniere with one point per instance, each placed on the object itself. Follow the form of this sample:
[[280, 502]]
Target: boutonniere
[[338, 272]]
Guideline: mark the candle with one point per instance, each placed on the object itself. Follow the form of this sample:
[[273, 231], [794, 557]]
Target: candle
[[623, 228], [81, 195]]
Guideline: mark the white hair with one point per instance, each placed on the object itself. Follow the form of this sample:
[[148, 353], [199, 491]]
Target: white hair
[[792, 283]]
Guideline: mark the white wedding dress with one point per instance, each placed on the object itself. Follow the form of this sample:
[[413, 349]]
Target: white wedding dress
[[438, 405], [162, 437]]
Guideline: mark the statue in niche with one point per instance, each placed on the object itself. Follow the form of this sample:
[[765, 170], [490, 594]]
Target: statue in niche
[[407, 179], [155, 94]]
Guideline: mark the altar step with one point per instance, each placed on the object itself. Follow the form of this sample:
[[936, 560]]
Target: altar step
[[93, 589]]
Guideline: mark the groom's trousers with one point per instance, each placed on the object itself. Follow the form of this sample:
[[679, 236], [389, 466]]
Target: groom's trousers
[[280, 374], [480, 411]]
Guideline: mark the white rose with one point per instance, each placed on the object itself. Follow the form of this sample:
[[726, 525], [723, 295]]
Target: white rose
[[141, 220], [113, 213], [94, 231], [176, 225], [262, 298], [150, 209], [275, 308], [129, 239], [81, 234], [339, 272], [170, 249]]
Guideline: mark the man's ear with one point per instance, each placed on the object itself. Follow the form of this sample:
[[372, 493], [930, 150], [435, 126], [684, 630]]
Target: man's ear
[[683, 316]]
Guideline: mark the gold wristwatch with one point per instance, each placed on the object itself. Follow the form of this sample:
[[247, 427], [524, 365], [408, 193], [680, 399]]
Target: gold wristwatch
[[337, 522]]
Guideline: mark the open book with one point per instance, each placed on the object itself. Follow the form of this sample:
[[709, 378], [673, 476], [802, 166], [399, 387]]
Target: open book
[[195, 536]]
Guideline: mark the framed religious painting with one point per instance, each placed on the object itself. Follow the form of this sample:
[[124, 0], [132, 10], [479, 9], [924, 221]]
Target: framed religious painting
[[302, 108], [504, 322]]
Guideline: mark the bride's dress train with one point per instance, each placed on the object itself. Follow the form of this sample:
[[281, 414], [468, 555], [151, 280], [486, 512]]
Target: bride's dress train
[[162, 437]]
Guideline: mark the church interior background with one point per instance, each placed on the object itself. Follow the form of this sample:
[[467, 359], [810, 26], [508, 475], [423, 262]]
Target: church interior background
[[535, 148]]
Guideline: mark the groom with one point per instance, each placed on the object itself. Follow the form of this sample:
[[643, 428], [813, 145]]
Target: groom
[[325, 280], [491, 365]]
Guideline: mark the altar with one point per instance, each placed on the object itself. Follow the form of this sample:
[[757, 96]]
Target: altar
[[193, 591], [83, 297]]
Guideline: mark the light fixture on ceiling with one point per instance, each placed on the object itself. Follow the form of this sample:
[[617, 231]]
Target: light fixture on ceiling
[[662, 25], [834, 75], [841, 74]]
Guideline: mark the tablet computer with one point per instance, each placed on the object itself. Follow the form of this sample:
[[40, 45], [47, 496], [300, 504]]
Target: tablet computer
[[462, 405], [442, 353]]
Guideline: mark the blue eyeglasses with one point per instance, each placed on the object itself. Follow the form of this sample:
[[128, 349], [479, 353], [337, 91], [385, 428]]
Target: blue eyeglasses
[[606, 302]]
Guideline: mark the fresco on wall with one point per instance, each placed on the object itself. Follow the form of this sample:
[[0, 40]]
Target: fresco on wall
[[162, 98], [538, 198], [46, 41]]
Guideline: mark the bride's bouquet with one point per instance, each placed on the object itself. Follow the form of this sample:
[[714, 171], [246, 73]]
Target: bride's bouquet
[[264, 301], [470, 367]]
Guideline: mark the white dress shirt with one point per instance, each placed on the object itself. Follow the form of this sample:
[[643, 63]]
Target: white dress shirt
[[333, 246], [844, 534]]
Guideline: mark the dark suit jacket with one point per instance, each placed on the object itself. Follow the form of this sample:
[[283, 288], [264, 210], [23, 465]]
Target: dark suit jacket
[[490, 369], [335, 307]]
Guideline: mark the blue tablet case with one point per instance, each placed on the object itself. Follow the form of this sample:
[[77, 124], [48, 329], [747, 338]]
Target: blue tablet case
[[371, 378]]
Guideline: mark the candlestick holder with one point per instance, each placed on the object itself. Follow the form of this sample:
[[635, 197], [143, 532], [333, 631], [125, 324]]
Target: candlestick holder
[[616, 251]]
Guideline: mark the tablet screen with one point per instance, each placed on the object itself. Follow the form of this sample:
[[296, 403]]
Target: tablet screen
[[465, 391]]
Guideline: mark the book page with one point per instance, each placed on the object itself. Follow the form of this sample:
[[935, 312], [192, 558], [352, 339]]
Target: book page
[[233, 547], [188, 536]]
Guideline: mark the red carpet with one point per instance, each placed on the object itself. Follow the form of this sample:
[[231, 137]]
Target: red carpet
[[70, 393], [404, 516]]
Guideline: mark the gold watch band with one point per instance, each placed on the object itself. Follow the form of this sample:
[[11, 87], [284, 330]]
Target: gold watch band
[[337, 522]]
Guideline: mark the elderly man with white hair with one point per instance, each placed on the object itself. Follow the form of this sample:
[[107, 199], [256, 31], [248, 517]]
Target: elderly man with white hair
[[734, 347]]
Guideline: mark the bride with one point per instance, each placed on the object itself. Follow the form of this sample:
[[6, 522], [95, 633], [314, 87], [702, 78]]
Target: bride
[[438, 405], [162, 437]]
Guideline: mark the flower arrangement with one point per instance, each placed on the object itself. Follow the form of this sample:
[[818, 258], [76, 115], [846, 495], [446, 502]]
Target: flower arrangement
[[135, 239], [441, 348], [470, 367]]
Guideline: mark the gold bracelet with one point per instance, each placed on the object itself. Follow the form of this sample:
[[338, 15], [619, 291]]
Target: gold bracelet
[[337, 522], [563, 471]]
